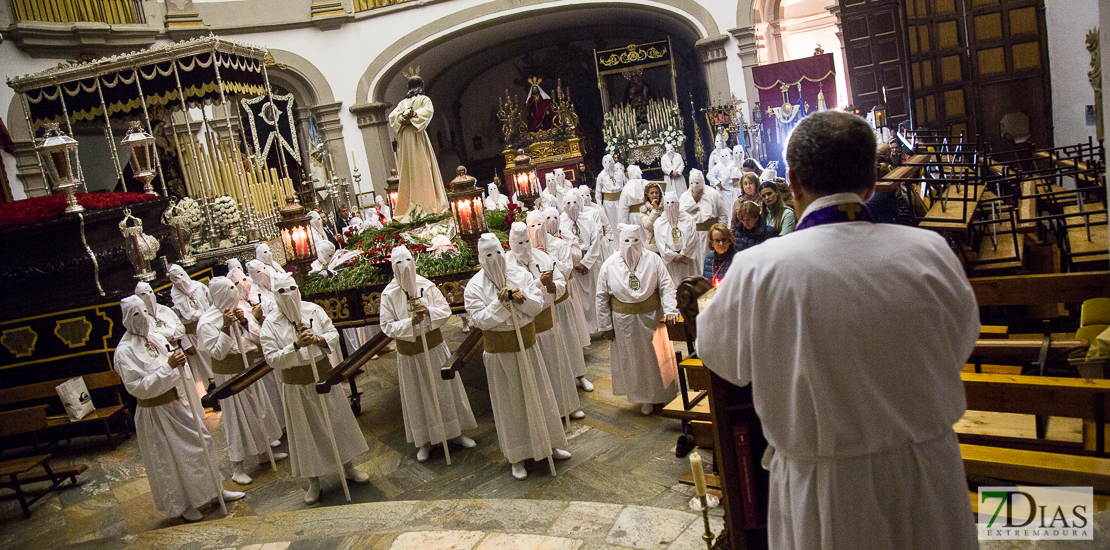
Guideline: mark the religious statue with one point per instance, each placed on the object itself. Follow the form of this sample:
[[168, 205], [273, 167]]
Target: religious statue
[[538, 105], [637, 93], [421, 184]]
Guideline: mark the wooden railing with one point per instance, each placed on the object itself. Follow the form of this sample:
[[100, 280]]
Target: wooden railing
[[366, 5], [113, 12]]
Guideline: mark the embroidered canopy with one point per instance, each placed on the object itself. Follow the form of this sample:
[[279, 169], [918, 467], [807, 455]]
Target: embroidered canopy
[[203, 66]]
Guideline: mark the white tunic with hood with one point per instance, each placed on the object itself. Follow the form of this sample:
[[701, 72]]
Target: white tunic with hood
[[190, 299], [168, 441], [583, 232]]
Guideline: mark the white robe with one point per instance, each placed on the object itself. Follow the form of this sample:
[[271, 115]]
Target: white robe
[[310, 452], [417, 405], [571, 311], [632, 195], [688, 246], [673, 163], [861, 421], [588, 241], [601, 220], [249, 419], [606, 183], [558, 353], [521, 423], [709, 207], [167, 434], [641, 354], [189, 306], [269, 384]]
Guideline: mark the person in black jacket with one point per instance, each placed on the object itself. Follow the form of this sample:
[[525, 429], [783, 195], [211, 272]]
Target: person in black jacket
[[721, 251], [748, 226]]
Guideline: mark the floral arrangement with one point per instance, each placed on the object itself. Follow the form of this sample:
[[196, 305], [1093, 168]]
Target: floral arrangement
[[191, 209], [621, 132], [48, 207], [225, 211]]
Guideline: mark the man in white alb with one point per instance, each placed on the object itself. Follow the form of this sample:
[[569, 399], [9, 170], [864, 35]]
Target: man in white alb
[[864, 455]]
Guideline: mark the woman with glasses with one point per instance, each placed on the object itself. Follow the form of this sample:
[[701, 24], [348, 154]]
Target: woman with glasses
[[722, 247], [775, 211]]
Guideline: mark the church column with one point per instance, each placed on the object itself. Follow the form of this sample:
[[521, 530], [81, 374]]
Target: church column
[[711, 51], [835, 10], [748, 45], [331, 131], [373, 120], [183, 21]]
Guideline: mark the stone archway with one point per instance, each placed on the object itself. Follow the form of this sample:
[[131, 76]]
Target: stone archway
[[502, 21]]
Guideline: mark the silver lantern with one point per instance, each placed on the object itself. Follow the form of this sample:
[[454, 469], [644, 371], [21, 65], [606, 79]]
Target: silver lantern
[[58, 158], [141, 248], [143, 152], [177, 219]]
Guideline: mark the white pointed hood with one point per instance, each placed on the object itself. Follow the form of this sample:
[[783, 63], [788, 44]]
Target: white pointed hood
[[632, 247], [492, 259], [572, 205], [260, 275], [670, 208], [146, 294], [242, 283], [136, 318], [537, 230], [288, 297], [520, 243], [224, 294], [551, 220], [404, 269]]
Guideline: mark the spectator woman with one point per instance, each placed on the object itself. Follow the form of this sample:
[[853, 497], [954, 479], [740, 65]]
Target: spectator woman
[[722, 248], [649, 212], [775, 211], [748, 227]]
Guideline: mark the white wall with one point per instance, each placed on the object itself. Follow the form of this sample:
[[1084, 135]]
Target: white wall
[[1068, 22]]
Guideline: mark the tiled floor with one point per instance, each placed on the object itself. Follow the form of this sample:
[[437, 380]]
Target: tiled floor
[[620, 457]]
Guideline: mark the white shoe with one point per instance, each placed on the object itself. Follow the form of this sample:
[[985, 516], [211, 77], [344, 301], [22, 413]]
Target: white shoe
[[647, 408], [578, 415], [312, 494], [355, 475], [464, 442], [518, 470], [278, 457], [466, 327], [559, 454], [191, 514], [275, 443], [585, 384], [232, 496], [422, 452], [240, 476]]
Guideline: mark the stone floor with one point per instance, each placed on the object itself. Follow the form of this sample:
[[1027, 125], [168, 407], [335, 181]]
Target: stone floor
[[620, 458]]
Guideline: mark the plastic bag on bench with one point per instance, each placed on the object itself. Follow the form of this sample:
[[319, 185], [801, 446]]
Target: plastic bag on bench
[[75, 397]]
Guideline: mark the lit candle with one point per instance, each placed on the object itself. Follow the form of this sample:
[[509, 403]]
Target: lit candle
[[455, 212], [288, 242], [698, 472], [481, 214]]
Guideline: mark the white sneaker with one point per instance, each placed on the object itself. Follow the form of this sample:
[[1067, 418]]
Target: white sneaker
[[278, 457], [312, 494], [232, 496], [464, 442], [275, 443], [585, 384], [559, 454], [647, 408], [355, 475], [518, 470], [422, 452], [578, 415], [240, 476]]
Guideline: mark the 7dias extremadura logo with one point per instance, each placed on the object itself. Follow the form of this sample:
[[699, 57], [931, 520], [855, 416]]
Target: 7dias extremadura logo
[[1036, 513]]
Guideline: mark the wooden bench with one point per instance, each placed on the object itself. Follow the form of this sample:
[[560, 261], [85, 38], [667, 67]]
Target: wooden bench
[[693, 411], [102, 416], [1035, 460], [17, 472]]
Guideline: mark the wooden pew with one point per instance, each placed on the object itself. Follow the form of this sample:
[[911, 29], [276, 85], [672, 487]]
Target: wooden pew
[[101, 416], [17, 472], [470, 348], [1024, 460]]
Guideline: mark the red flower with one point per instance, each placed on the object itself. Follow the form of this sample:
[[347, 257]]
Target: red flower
[[38, 209]]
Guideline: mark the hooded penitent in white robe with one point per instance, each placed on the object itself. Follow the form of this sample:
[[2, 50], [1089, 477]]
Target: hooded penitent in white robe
[[706, 212], [328, 262], [561, 186], [554, 349], [165, 320], [565, 255], [720, 154], [190, 299], [632, 196], [583, 232], [861, 426], [249, 420], [263, 254], [641, 354], [262, 293], [316, 227], [672, 165], [676, 236], [608, 187], [167, 434], [494, 200], [421, 184], [526, 427], [417, 403], [310, 449]]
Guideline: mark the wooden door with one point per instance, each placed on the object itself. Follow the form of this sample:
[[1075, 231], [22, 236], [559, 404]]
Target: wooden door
[[874, 38]]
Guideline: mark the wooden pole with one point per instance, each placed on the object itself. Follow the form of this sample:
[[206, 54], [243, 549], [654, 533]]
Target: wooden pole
[[238, 336], [435, 393], [327, 421], [531, 388]]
